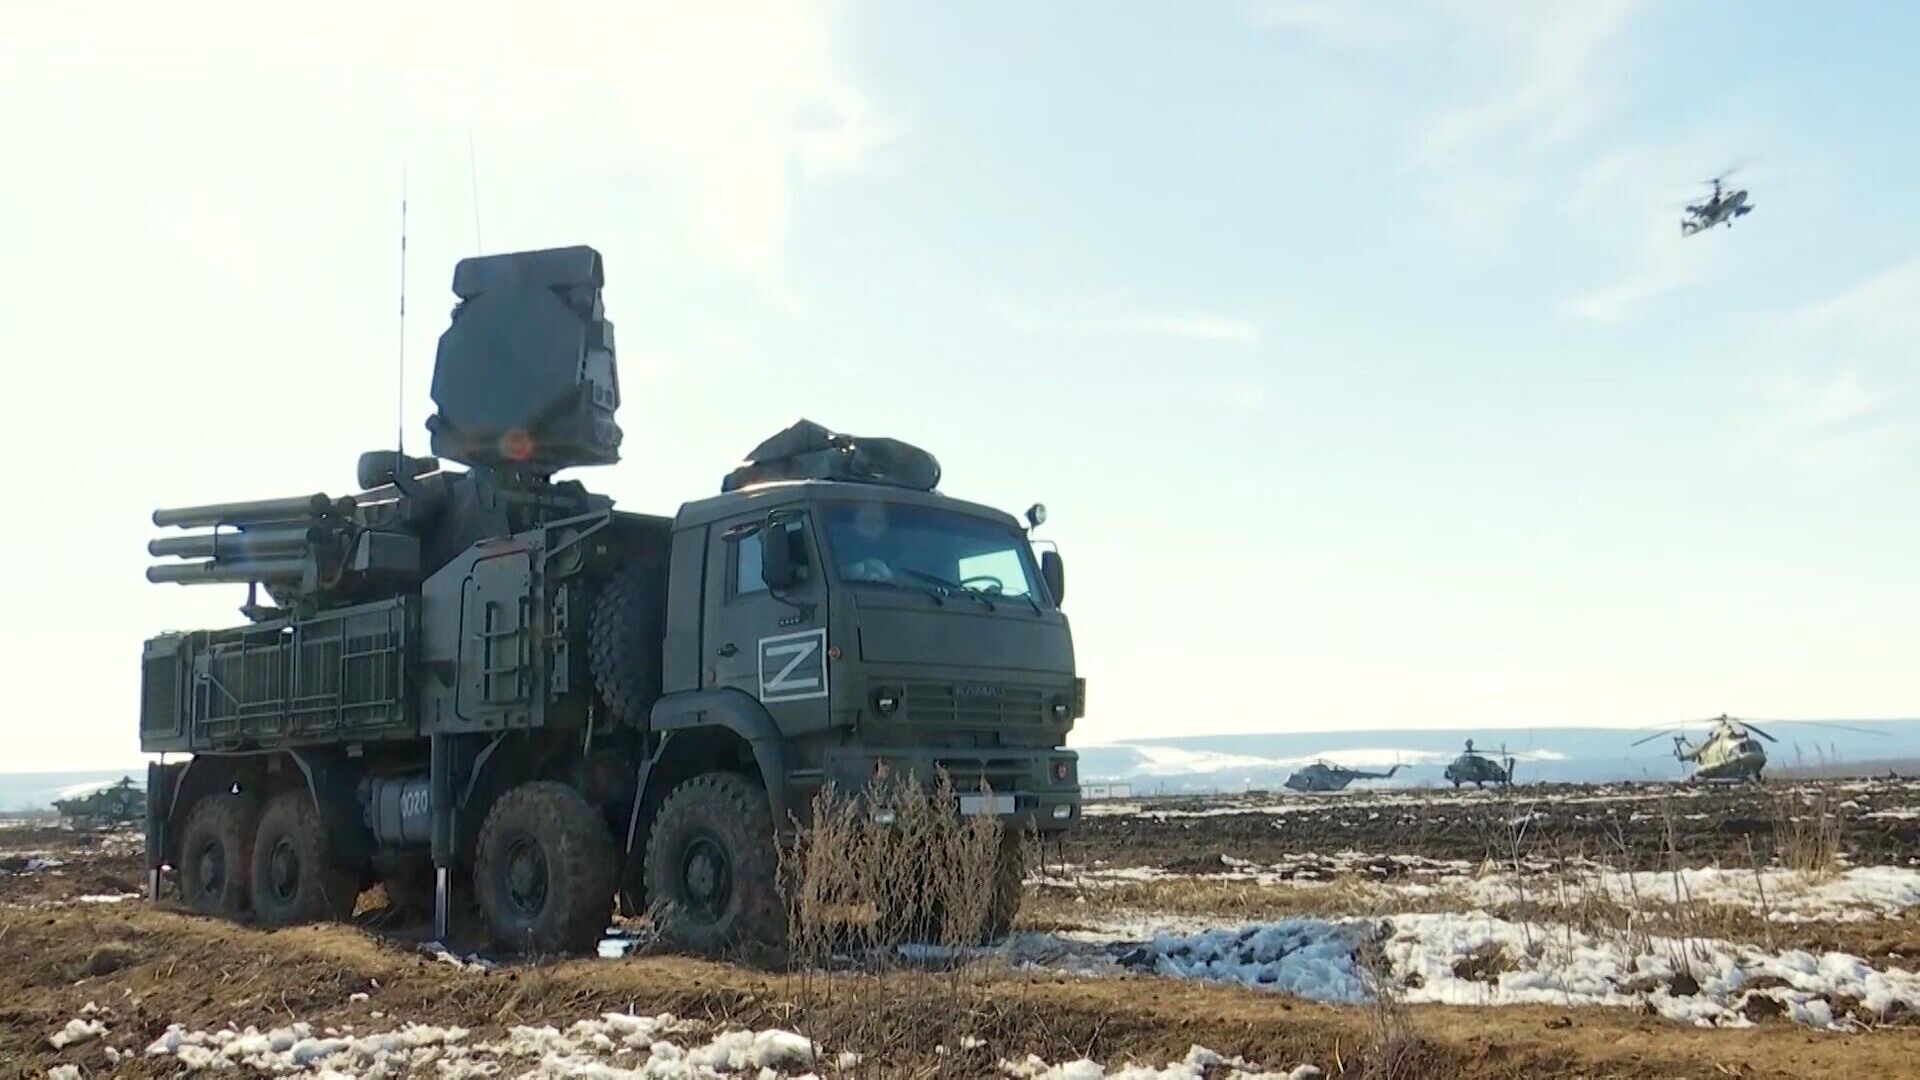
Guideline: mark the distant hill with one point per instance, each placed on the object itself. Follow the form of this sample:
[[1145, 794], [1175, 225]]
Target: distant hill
[[36, 791], [1573, 755], [1238, 762]]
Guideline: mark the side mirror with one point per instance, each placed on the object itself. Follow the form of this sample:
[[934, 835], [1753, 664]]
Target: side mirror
[[1036, 516], [1053, 571], [776, 556]]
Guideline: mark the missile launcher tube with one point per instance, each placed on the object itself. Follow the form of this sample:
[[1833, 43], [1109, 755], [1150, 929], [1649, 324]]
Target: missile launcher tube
[[253, 542], [228, 571], [248, 513]]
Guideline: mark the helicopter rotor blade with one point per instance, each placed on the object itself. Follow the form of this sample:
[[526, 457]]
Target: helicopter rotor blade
[[1749, 726], [1836, 725], [1655, 735], [1730, 170]]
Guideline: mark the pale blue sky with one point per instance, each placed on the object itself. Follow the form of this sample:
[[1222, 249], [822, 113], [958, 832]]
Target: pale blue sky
[[1354, 347]]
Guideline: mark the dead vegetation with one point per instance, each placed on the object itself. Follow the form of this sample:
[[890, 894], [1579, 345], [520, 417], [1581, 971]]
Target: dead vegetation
[[890, 897], [1807, 830]]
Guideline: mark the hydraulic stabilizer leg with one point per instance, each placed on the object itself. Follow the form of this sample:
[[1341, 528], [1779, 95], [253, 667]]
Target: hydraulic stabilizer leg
[[440, 786]]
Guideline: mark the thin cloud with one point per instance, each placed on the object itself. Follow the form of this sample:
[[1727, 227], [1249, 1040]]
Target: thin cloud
[[1615, 302], [1833, 424], [1551, 91], [1884, 307], [1339, 22], [1200, 326]]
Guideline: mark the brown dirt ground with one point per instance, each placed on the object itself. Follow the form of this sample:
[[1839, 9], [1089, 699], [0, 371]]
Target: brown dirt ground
[[203, 973], [1622, 824], [153, 966]]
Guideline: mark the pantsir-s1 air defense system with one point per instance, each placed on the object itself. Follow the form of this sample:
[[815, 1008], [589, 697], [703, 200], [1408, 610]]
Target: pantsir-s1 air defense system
[[489, 679]]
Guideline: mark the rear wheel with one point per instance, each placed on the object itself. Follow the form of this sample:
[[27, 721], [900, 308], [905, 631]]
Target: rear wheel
[[216, 851], [296, 877], [711, 871], [544, 870]]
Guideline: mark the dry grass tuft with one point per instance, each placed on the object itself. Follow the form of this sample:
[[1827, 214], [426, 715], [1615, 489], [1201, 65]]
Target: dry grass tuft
[[1806, 831], [1392, 1049], [896, 867]]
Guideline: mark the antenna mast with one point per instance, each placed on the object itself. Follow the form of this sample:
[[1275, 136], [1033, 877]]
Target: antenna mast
[[473, 180], [400, 379]]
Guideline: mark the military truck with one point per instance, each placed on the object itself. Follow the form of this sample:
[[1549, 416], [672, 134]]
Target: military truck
[[486, 681]]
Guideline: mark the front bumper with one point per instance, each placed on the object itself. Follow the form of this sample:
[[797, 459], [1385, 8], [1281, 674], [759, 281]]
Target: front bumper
[[1023, 787]]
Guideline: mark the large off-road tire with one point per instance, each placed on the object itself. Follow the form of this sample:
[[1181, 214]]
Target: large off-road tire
[[296, 876], [216, 854], [712, 873], [544, 870], [624, 638]]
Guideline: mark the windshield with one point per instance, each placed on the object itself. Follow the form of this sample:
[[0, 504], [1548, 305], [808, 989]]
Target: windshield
[[915, 547]]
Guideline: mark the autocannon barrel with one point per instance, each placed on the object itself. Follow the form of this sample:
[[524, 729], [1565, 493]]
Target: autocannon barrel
[[246, 513], [251, 543], [227, 571]]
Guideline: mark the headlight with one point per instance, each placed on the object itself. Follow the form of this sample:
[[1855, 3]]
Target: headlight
[[886, 701], [1061, 709], [1062, 812], [1060, 770]]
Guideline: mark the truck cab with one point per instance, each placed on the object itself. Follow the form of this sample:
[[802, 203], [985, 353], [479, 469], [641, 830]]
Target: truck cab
[[882, 630]]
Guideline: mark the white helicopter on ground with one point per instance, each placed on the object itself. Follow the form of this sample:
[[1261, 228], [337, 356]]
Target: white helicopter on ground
[[1719, 209], [1730, 752]]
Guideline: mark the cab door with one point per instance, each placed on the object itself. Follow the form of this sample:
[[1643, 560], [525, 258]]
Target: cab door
[[771, 647]]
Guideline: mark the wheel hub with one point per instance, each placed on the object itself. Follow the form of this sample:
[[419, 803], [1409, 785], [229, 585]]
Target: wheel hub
[[527, 877], [283, 870], [708, 876], [212, 869]]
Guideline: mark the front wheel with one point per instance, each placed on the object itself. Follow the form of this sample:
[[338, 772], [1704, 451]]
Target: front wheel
[[295, 875], [711, 871], [216, 850], [544, 870]]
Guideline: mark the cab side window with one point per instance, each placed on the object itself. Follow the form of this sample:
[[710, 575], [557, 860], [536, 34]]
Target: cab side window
[[749, 550]]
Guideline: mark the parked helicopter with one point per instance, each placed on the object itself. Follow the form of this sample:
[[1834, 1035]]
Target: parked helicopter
[[1321, 776], [1719, 209], [117, 804], [1479, 770], [1730, 752]]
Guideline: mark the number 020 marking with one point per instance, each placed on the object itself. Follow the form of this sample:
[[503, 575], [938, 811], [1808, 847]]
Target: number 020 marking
[[793, 667]]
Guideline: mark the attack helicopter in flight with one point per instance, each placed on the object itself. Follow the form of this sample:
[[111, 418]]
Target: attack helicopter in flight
[[1720, 208]]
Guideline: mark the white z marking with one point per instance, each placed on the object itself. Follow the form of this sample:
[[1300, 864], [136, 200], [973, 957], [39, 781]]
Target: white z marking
[[791, 651]]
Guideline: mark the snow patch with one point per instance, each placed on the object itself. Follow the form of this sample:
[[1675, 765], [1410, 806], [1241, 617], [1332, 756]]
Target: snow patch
[[1477, 959], [1200, 1062], [76, 1032], [469, 962]]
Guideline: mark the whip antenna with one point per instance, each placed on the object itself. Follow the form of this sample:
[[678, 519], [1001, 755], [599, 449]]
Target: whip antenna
[[400, 379], [473, 179]]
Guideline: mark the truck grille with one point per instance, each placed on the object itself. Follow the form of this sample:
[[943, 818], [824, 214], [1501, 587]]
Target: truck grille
[[970, 775], [973, 704]]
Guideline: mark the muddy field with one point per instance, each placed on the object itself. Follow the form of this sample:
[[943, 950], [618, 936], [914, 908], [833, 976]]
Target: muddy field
[[1594, 932], [1640, 826]]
